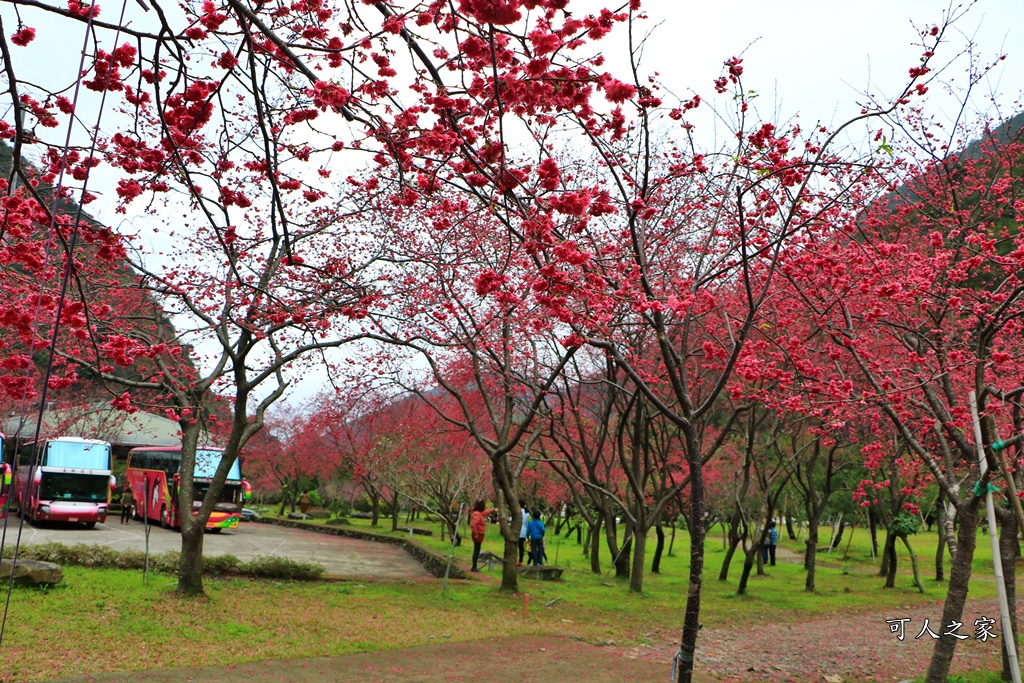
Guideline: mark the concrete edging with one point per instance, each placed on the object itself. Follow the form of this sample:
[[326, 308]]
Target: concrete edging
[[431, 561]]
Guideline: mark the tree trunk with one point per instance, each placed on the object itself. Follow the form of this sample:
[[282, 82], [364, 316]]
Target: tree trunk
[[510, 518], [190, 565], [1008, 549], [811, 554], [611, 533], [394, 514], [838, 537], [913, 563], [883, 570], [789, 527], [723, 575], [510, 572], [620, 554], [940, 527], [595, 546], [672, 539], [849, 541], [636, 579], [622, 562], [656, 563], [698, 508], [811, 542], [873, 528], [750, 557], [956, 593], [734, 542], [889, 559], [375, 510]]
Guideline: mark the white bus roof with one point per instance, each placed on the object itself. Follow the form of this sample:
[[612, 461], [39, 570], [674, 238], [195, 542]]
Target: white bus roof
[[78, 439]]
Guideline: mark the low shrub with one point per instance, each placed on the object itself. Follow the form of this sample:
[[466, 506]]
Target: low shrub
[[281, 568], [216, 565], [221, 564], [340, 507]]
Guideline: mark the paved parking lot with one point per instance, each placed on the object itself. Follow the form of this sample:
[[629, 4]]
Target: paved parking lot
[[339, 556]]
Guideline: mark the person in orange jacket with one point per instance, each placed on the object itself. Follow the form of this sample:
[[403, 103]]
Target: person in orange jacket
[[478, 528]]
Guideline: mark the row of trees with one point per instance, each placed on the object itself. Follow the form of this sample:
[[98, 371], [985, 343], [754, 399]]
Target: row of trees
[[535, 248]]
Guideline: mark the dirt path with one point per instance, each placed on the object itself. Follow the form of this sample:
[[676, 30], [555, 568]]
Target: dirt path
[[859, 647], [513, 660]]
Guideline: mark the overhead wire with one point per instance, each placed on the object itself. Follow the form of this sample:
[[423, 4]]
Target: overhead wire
[[51, 238]]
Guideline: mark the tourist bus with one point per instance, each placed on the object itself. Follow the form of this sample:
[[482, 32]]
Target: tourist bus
[[71, 481], [155, 474], [6, 476]]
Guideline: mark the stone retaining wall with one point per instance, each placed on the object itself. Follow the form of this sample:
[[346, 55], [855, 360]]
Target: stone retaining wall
[[431, 561]]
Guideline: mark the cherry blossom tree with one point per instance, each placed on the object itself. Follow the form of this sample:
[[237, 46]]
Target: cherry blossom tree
[[921, 293]]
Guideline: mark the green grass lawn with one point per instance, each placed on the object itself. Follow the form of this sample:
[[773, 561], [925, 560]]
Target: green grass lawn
[[90, 619], [843, 577]]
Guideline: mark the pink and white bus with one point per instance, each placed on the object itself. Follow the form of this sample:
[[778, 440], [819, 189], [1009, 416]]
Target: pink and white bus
[[71, 481], [6, 477], [155, 474]]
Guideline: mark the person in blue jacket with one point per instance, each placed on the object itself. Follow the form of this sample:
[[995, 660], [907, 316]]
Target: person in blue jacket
[[770, 542], [535, 530]]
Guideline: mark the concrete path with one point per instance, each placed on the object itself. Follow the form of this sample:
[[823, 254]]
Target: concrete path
[[346, 557]]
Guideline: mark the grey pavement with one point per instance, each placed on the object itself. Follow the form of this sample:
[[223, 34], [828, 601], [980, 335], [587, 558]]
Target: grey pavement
[[345, 557]]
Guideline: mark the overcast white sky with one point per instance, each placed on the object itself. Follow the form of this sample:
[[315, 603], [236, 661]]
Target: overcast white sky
[[816, 58], [805, 57]]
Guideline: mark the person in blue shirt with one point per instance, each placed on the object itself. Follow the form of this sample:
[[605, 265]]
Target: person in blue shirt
[[535, 530], [770, 542]]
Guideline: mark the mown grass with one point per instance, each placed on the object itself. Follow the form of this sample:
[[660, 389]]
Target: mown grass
[[844, 580], [108, 619]]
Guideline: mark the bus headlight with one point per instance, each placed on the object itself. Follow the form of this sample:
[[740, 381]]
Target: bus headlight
[[44, 509], [102, 509]]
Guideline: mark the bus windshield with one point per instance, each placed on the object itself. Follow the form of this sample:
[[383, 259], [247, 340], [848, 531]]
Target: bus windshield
[[86, 456], [82, 488], [207, 462]]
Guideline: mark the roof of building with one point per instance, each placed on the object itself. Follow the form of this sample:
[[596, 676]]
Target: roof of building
[[99, 421]]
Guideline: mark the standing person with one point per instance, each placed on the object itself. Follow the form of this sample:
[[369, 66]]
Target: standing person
[[771, 540], [523, 530], [304, 502], [536, 534], [478, 528], [127, 499]]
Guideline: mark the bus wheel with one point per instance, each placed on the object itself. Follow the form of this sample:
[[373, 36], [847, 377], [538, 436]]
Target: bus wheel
[[164, 522], [215, 530], [90, 525]]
